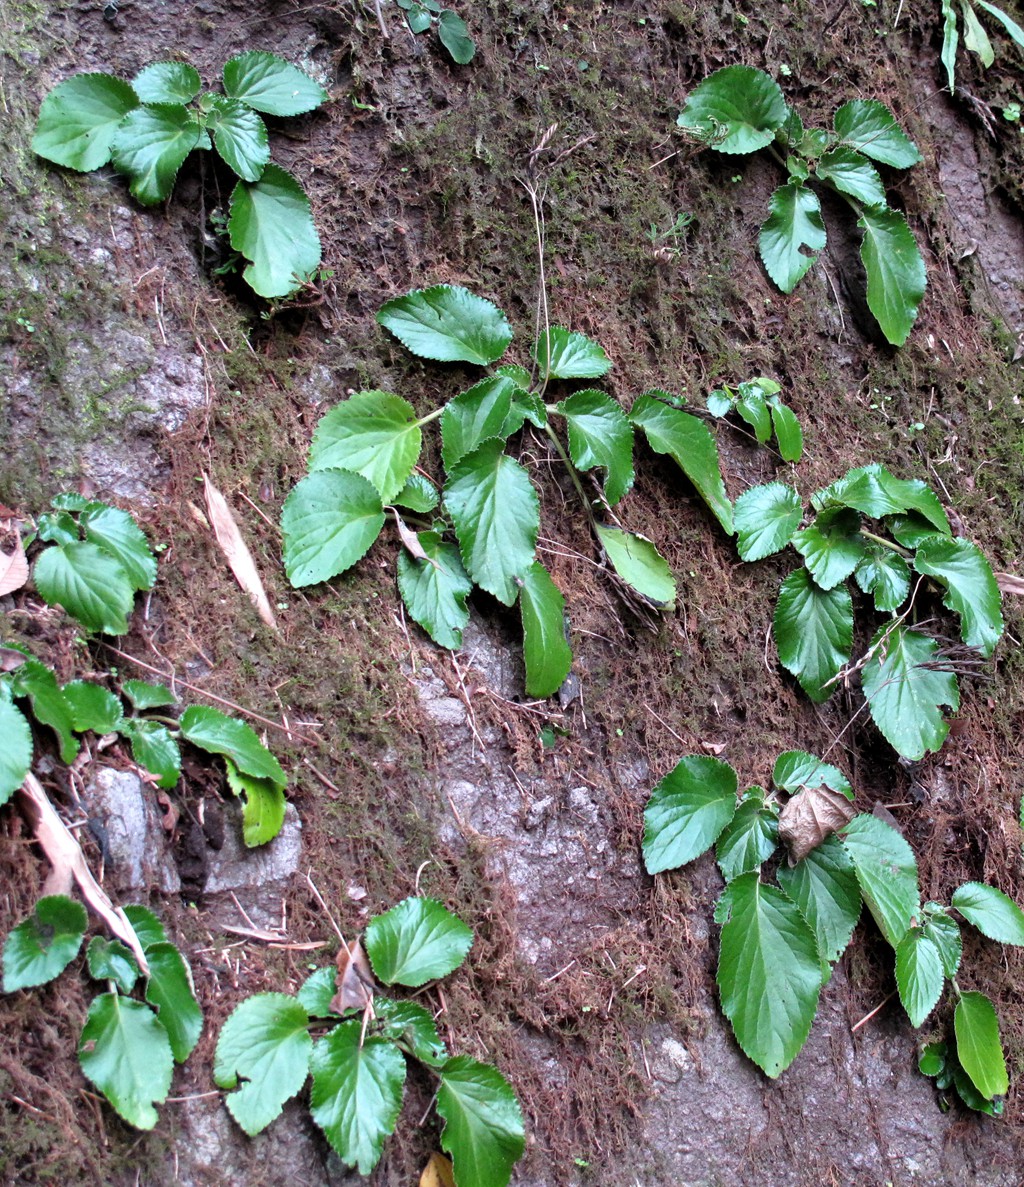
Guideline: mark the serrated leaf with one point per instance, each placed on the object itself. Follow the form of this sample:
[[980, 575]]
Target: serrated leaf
[[944, 932], [88, 583], [263, 805], [905, 694], [526, 406], [971, 588], [639, 564], [239, 136], [993, 913], [886, 872], [870, 127], [496, 514], [217, 733], [895, 271], [813, 632], [79, 118], [266, 1043], [910, 530], [15, 749], [851, 173], [600, 436], [748, 841], [688, 811], [788, 434], [155, 748], [721, 402], [125, 1052], [317, 992], [832, 546], [418, 18], [116, 532], [170, 990], [448, 323], [416, 941], [765, 518], [167, 82], [435, 590], [977, 1044], [824, 886], [42, 946], [873, 491], [475, 416], [919, 975], [272, 85], [146, 926], [454, 35], [419, 494], [374, 434], [885, 575], [796, 770], [546, 650], [150, 145], [810, 818], [564, 355], [93, 708], [483, 1129], [975, 38], [413, 1027], [36, 681], [272, 226], [110, 960], [144, 695], [794, 222], [739, 101], [328, 522]]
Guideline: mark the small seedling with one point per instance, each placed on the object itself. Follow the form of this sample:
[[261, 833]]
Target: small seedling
[[976, 40], [667, 244], [451, 28], [757, 402]]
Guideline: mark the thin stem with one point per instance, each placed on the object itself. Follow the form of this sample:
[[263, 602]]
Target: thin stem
[[886, 543], [572, 471], [425, 420]]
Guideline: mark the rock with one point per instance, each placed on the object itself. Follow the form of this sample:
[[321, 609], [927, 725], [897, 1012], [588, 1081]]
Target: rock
[[126, 821], [256, 876]]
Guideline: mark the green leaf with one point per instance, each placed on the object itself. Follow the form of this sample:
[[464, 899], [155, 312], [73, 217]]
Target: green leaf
[[475, 416], [639, 564], [58, 529], [328, 522], [412, 1027], [435, 590], [146, 926], [971, 588], [36, 681], [895, 271], [317, 992], [449, 324], [272, 226], [562, 355], [884, 574], [852, 174], [950, 40], [824, 886], [975, 38], [1011, 26], [167, 82], [455, 37], [93, 708], [125, 1052], [546, 650], [765, 518], [357, 1093], [239, 136], [144, 695], [919, 975], [794, 222], [526, 406], [78, 120], [944, 932], [496, 514], [910, 530], [740, 101], [788, 433], [15, 749], [88, 583], [690, 445], [42, 946], [416, 941], [832, 546], [873, 491], [769, 973], [600, 436], [796, 771], [419, 494], [483, 1129], [117, 533], [418, 18], [215, 732], [753, 408], [887, 874], [993, 913], [270, 84], [749, 838], [813, 632], [265, 1042], [263, 805], [110, 960], [905, 692], [977, 1044], [971, 1097], [721, 402], [155, 748], [150, 145], [371, 433], [870, 127], [687, 812], [170, 990]]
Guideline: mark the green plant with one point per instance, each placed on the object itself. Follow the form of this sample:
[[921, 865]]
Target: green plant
[[364, 462], [148, 127], [667, 244], [128, 1045], [779, 942], [757, 402], [358, 1065], [908, 675], [451, 28], [976, 40], [739, 110]]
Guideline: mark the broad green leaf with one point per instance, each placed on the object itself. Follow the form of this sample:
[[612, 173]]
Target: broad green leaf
[[419, 494], [93, 708], [371, 433], [546, 650], [419, 19], [832, 546], [1011, 26], [526, 406], [769, 973], [448, 323], [60, 528], [873, 491], [317, 992], [455, 38], [435, 590], [167, 82], [639, 564], [950, 40], [721, 402], [688, 811], [146, 926], [563, 355], [813, 632], [749, 839], [144, 695], [887, 874], [265, 1043], [496, 514], [270, 84], [88, 583], [852, 174], [765, 518], [977, 1044], [170, 990], [824, 886], [519, 376], [753, 407], [969, 1094], [110, 960], [906, 693], [155, 748], [483, 1130], [36, 681], [975, 38], [272, 226], [797, 771], [329, 521], [240, 137], [794, 223], [869, 127], [263, 805], [116, 532], [357, 1093], [910, 530], [412, 1027], [475, 416], [416, 941], [971, 588], [600, 435], [42, 946], [944, 932], [79, 118], [919, 975], [895, 271], [884, 574], [150, 145], [15, 749], [788, 434], [125, 1052], [217, 733], [738, 108], [690, 445], [993, 913]]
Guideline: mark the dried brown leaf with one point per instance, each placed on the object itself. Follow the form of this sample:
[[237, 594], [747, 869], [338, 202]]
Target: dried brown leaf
[[13, 569], [412, 541], [11, 658], [236, 551], [355, 980], [810, 818], [438, 1172], [1010, 583]]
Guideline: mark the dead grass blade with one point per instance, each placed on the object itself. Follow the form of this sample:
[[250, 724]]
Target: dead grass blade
[[236, 551], [1010, 583]]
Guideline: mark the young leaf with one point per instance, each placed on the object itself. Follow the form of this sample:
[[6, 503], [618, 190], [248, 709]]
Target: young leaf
[[640, 565], [769, 973], [418, 18], [562, 355], [832, 546], [266, 1043], [125, 1052], [357, 1093], [88, 583], [170, 990], [36, 681], [796, 770], [971, 588], [93, 708], [239, 136], [419, 494], [455, 37], [79, 118], [884, 574], [474, 416], [813, 632], [753, 408], [116, 532], [167, 82], [155, 748], [887, 874], [215, 732], [328, 522], [435, 589], [600, 435], [371, 433], [449, 324], [144, 695], [993, 913], [483, 1129], [263, 805], [42, 946], [546, 650], [317, 992], [526, 406], [146, 926], [824, 886], [721, 402], [150, 145], [788, 434], [749, 838], [944, 932], [852, 174], [15, 749], [272, 85], [110, 960], [977, 1044], [740, 101], [895, 271], [687, 812], [919, 975], [416, 941], [810, 818], [870, 127], [794, 222], [765, 518], [272, 226], [413, 1028]]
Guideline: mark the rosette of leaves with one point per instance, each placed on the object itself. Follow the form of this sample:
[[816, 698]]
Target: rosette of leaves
[[147, 128], [740, 110], [451, 28], [273, 1042], [757, 401], [136, 1031], [976, 39], [478, 526], [879, 531]]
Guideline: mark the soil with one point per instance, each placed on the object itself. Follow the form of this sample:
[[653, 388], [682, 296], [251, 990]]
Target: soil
[[130, 369]]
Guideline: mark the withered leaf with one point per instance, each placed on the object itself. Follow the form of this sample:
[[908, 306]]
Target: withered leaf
[[236, 551], [355, 980], [13, 569], [1010, 583], [810, 818], [438, 1172]]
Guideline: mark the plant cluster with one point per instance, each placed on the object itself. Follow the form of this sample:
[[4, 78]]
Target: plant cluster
[[976, 40], [452, 30], [757, 401]]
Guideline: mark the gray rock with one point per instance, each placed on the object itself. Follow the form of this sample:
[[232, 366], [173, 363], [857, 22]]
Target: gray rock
[[256, 876], [127, 823]]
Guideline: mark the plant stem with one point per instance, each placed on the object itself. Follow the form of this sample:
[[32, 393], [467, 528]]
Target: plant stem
[[425, 420], [572, 471], [886, 543]]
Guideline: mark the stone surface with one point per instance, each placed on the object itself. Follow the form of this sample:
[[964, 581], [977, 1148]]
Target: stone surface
[[256, 877], [126, 822]]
